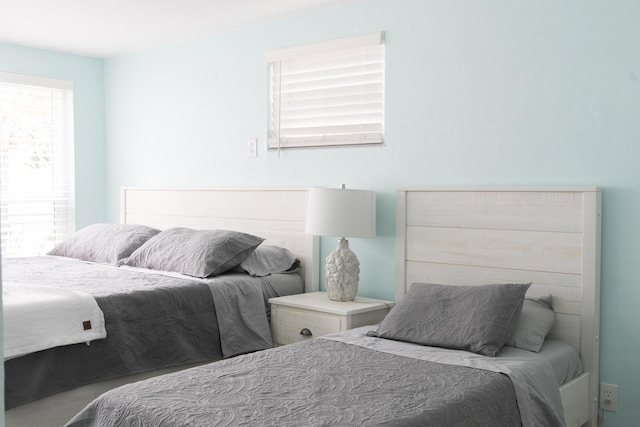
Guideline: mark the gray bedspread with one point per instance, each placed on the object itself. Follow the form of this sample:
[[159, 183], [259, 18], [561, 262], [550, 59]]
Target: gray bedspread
[[242, 318], [153, 321], [534, 379], [313, 383]]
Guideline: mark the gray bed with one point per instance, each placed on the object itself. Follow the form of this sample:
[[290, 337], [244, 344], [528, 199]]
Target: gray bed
[[342, 379], [153, 321], [276, 215]]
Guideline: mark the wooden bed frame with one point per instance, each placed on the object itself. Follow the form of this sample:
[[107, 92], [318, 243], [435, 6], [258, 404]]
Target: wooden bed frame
[[547, 236], [277, 214]]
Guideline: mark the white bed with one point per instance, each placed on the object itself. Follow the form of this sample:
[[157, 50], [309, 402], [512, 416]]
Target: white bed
[[547, 235], [276, 214]]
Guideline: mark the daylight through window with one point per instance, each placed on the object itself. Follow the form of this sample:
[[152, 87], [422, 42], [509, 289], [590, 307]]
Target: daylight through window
[[36, 164], [328, 93]]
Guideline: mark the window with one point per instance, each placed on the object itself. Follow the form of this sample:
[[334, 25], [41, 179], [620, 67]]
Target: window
[[326, 94], [36, 164]]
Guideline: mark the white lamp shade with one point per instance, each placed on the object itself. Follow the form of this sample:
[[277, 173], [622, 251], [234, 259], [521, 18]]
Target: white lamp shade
[[340, 212]]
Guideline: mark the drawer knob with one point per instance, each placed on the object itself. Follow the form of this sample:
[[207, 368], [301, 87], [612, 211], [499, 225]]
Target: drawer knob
[[306, 332]]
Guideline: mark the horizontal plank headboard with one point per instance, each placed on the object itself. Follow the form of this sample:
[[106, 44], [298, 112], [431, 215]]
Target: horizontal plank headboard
[[276, 214], [549, 236]]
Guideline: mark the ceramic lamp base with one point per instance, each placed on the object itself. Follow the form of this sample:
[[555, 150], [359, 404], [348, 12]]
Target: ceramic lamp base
[[342, 271]]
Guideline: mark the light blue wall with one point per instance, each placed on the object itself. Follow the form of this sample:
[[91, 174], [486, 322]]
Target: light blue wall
[[87, 75], [492, 92]]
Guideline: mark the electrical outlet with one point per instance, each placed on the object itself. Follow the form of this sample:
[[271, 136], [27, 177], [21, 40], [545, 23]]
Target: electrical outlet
[[609, 397]]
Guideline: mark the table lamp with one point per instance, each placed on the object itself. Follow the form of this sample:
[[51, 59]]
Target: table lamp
[[340, 212]]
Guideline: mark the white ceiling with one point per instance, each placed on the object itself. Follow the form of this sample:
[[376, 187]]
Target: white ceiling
[[106, 28]]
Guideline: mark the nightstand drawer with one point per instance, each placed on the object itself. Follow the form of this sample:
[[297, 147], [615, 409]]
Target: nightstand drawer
[[290, 322], [315, 315]]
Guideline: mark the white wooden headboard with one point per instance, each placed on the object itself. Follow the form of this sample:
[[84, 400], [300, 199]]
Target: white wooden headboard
[[276, 214], [477, 235]]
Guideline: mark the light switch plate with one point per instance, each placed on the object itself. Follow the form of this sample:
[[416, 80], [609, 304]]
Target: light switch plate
[[252, 147]]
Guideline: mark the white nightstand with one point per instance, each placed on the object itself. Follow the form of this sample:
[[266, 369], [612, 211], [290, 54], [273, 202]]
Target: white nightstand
[[298, 317]]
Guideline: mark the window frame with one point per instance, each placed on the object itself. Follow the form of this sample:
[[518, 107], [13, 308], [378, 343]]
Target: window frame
[[41, 220], [351, 69]]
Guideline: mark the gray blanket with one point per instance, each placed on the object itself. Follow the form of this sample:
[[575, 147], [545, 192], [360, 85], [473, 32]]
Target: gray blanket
[[152, 321], [242, 318], [533, 377], [314, 383]]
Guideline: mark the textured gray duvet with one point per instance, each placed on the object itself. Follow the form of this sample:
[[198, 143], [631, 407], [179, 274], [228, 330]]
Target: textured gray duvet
[[323, 382], [330, 383], [153, 321]]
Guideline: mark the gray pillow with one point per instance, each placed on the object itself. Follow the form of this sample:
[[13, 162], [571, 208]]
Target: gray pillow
[[266, 260], [535, 322], [473, 318], [104, 243], [199, 253]]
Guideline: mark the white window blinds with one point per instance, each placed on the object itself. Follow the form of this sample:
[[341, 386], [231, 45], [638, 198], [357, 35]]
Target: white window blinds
[[36, 164], [328, 93]]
